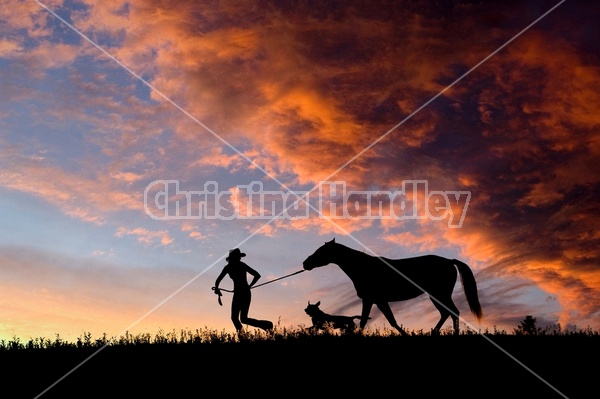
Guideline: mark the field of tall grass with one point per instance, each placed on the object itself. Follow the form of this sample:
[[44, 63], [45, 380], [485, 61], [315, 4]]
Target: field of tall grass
[[539, 362], [207, 336]]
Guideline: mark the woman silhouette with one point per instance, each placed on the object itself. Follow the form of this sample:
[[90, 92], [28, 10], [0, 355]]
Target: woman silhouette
[[240, 304]]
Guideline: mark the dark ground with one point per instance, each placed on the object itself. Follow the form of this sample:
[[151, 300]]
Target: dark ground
[[419, 366]]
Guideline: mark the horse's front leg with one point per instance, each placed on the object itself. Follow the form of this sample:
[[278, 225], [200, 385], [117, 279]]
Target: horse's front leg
[[366, 311], [389, 315]]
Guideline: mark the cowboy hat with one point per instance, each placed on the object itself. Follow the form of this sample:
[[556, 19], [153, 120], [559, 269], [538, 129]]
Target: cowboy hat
[[235, 253]]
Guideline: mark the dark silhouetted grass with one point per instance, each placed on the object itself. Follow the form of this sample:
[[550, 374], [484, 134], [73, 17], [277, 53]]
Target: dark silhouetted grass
[[532, 362], [207, 336]]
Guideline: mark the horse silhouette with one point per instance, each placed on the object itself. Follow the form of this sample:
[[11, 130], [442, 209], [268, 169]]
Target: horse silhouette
[[380, 280]]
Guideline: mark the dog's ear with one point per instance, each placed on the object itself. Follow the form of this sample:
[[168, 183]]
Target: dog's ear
[[318, 303]]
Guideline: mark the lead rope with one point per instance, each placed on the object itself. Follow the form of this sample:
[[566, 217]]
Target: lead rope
[[258, 285]]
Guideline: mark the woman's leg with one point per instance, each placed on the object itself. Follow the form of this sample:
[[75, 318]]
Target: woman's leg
[[236, 310], [244, 309]]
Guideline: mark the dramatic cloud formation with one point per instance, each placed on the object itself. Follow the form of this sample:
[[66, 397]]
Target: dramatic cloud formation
[[315, 91]]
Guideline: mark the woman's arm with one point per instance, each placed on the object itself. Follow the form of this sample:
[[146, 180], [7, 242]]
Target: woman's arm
[[218, 280], [255, 275]]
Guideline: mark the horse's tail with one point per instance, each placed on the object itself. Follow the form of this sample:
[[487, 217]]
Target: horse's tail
[[470, 287]]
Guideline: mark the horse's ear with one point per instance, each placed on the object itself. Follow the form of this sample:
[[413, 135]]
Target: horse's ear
[[318, 303], [330, 242]]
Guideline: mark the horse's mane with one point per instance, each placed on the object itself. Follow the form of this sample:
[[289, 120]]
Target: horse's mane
[[352, 251]]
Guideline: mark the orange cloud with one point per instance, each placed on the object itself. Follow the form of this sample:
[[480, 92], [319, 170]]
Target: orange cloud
[[267, 81], [9, 48], [145, 236], [78, 197]]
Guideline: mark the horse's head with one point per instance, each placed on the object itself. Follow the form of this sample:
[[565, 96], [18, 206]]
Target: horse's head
[[321, 257]]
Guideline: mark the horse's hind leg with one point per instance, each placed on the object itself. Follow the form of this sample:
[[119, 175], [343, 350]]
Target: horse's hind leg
[[366, 311], [436, 329], [389, 315], [447, 308]]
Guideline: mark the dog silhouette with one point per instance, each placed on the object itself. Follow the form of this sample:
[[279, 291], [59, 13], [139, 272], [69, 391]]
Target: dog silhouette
[[321, 320]]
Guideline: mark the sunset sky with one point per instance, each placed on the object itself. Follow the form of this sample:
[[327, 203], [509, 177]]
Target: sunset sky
[[95, 108]]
